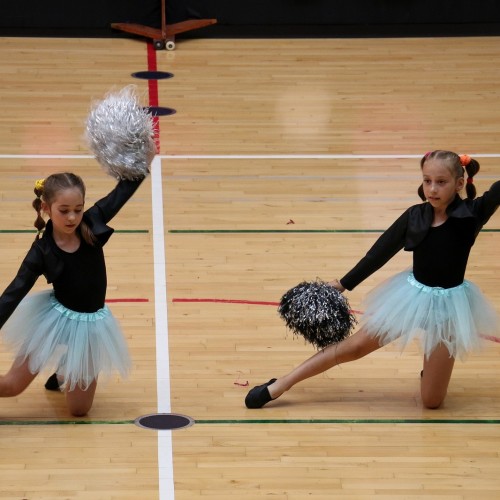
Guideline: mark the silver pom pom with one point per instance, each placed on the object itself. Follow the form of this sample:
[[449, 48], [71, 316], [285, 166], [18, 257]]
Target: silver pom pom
[[120, 133]]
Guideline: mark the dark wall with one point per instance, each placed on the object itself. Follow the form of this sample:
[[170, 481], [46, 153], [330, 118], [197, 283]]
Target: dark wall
[[266, 17], [337, 11], [69, 15], [342, 17]]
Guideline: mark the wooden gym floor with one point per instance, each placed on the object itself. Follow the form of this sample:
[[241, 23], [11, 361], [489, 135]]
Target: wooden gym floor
[[284, 161]]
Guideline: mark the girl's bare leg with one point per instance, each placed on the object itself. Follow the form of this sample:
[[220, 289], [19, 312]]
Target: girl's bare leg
[[354, 347], [79, 401], [15, 381], [436, 377]]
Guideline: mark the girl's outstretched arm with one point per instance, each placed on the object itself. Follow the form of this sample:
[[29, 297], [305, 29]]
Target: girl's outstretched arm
[[26, 277], [487, 204], [386, 246], [97, 216], [111, 204], [338, 285]]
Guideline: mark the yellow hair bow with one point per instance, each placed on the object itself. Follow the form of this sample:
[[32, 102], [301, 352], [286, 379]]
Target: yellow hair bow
[[39, 184]]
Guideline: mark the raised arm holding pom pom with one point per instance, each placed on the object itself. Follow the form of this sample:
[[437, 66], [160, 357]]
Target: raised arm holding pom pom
[[68, 329]]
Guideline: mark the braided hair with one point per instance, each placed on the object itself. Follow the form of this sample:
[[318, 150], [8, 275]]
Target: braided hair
[[46, 191], [458, 165], [37, 205]]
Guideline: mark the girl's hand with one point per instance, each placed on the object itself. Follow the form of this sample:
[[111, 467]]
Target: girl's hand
[[336, 284]]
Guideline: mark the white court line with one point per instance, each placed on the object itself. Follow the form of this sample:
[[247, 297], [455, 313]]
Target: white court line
[[254, 157], [309, 157], [55, 157], [165, 452]]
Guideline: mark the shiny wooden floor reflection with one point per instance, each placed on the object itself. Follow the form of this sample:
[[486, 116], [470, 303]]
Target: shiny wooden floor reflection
[[284, 161]]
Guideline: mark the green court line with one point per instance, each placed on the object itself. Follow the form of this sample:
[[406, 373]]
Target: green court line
[[295, 231], [33, 231], [64, 422], [264, 421], [257, 231], [353, 421]]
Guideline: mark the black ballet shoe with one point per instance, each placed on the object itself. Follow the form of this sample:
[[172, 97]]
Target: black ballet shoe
[[259, 395], [52, 383], [421, 373]]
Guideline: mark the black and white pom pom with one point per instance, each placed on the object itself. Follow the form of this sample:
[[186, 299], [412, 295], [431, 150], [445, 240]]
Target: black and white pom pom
[[120, 133], [318, 312]]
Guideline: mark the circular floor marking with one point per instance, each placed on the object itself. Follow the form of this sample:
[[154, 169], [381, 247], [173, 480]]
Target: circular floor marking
[[164, 421], [152, 75], [160, 111]]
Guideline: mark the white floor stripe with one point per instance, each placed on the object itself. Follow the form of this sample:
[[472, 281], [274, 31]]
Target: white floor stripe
[[165, 454], [255, 157], [289, 157], [72, 157], [312, 156]]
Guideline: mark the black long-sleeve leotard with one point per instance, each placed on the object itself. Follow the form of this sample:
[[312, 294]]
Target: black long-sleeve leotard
[[79, 278], [440, 254]]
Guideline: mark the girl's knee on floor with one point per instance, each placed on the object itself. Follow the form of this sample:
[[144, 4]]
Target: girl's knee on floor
[[433, 396], [79, 401]]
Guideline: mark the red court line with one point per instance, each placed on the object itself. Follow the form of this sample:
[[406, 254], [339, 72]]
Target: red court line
[[233, 301], [230, 301], [492, 338], [262, 303], [153, 92]]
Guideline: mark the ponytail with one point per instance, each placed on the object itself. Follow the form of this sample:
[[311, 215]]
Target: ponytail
[[471, 166], [37, 205]]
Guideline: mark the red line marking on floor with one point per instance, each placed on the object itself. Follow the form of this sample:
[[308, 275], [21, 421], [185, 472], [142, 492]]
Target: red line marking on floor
[[233, 301], [153, 92], [492, 338], [230, 301], [263, 303]]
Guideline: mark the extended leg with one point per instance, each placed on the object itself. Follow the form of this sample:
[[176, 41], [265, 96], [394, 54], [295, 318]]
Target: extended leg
[[16, 379], [354, 347], [436, 377]]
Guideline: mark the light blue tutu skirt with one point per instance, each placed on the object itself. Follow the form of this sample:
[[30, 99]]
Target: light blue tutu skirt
[[403, 309], [78, 346]]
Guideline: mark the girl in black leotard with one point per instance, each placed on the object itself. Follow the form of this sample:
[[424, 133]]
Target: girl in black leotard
[[431, 302], [68, 329]]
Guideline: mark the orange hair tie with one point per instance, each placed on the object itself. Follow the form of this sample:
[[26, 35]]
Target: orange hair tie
[[464, 160]]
